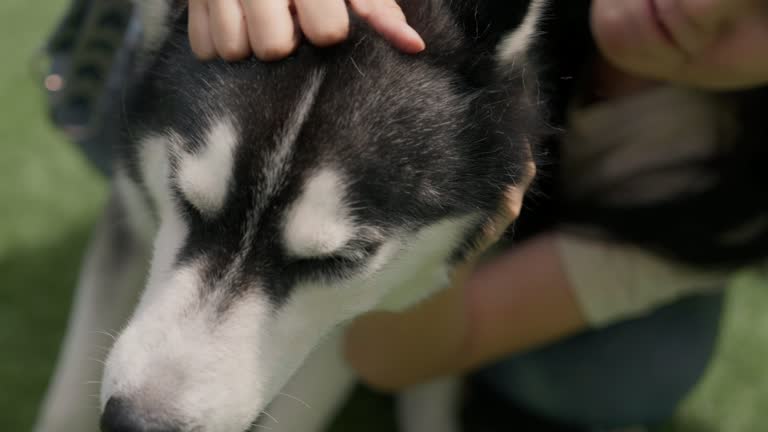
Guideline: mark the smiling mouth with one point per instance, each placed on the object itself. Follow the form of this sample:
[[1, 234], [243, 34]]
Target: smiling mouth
[[660, 24]]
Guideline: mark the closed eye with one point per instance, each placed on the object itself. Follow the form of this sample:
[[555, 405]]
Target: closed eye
[[352, 251], [338, 264]]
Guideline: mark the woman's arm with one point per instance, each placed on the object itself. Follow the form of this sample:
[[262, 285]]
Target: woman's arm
[[517, 301]]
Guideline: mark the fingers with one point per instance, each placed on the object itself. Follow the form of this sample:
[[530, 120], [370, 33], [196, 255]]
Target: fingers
[[323, 22], [229, 31], [515, 194], [200, 31], [510, 208], [513, 197], [272, 31], [232, 29], [386, 17]]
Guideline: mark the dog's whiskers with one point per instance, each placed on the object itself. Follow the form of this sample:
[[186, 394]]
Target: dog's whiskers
[[105, 333], [270, 416], [99, 361], [360, 71], [103, 349], [296, 399]]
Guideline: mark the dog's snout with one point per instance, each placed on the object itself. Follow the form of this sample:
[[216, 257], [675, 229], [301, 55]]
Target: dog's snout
[[120, 416], [117, 417]]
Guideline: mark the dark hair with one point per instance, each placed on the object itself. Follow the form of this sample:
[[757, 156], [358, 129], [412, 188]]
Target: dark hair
[[723, 225]]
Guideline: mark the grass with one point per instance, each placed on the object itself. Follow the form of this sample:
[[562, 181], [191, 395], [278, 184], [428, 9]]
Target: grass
[[49, 197]]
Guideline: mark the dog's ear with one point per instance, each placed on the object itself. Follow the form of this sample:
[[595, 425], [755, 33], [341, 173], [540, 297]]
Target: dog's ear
[[504, 30]]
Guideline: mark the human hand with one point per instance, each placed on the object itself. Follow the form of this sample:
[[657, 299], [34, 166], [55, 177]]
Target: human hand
[[713, 44], [272, 29]]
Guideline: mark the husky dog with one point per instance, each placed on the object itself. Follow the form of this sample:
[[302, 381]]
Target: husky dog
[[262, 206]]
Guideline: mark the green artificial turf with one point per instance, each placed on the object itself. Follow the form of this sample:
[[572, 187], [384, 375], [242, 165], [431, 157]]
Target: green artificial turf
[[49, 197]]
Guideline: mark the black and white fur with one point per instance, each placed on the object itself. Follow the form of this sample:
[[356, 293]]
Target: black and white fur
[[268, 204]]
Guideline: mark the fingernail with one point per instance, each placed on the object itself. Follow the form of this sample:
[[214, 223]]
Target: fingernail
[[361, 7], [417, 43]]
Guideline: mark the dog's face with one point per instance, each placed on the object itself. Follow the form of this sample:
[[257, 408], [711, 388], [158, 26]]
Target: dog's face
[[292, 197]]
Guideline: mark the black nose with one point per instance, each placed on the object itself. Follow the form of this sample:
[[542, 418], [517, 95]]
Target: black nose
[[119, 416]]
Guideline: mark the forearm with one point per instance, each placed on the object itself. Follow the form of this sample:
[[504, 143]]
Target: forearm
[[517, 301]]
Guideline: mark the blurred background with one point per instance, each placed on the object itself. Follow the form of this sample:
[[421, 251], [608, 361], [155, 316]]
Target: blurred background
[[50, 197]]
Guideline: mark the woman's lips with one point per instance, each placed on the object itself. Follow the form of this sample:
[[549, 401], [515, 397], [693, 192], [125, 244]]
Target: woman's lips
[[659, 23]]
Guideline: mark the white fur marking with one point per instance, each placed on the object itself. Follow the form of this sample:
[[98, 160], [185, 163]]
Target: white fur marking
[[318, 223], [155, 169], [287, 136], [138, 214], [172, 230], [204, 178], [516, 44]]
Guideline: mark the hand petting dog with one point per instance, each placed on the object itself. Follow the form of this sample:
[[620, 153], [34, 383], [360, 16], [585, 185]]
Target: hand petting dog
[[716, 44], [272, 29]]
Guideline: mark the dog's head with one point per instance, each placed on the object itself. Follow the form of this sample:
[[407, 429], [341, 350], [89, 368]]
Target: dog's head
[[294, 196]]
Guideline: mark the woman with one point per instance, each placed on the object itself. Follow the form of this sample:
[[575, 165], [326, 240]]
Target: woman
[[606, 315]]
